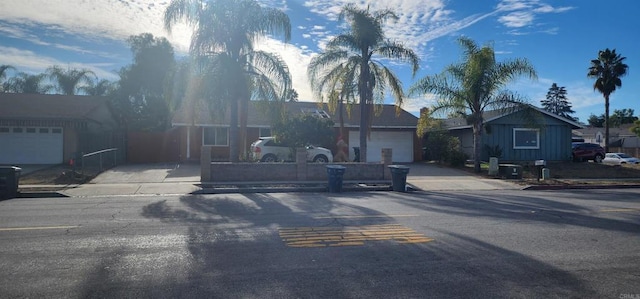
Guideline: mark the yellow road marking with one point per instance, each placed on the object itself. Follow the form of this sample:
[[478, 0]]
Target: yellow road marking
[[36, 228], [349, 235], [364, 216]]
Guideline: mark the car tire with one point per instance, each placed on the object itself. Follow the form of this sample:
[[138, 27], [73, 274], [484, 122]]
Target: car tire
[[598, 158], [320, 159], [269, 158]]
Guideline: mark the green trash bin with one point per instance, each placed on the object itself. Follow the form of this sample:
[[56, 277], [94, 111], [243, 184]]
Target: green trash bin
[[335, 173], [9, 179], [399, 177]]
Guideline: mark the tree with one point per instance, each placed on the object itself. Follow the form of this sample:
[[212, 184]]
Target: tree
[[475, 84], [291, 95], [348, 62], [3, 75], [232, 71], [557, 102], [596, 121], [607, 70], [303, 130], [69, 81], [99, 88], [27, 83], [622, 117], [635, 128], [140, 100]]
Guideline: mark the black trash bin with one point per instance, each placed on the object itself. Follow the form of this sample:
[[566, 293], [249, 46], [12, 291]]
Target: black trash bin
[[9, 179], [399, 177], [335, 173]]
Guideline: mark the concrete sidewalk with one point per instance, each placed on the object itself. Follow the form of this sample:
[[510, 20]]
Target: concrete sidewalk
[[173, 178]]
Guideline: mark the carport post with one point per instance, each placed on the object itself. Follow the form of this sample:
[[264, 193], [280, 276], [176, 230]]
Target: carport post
[[387, 155], [205, 164]]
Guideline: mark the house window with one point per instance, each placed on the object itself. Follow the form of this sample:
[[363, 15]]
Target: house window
[[216, 136], [265, 132], [526, 139]]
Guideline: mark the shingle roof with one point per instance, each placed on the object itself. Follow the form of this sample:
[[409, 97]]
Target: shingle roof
[[16, 106], [201, 116], [491, 115]]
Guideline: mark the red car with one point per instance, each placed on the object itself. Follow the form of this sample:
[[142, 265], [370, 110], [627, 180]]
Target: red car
[[581, 151]]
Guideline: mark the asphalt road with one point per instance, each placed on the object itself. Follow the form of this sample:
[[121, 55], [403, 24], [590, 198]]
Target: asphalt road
[[485, 244]]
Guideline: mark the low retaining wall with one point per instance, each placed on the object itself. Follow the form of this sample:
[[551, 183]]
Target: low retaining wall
[[275, 172], [213, 172]]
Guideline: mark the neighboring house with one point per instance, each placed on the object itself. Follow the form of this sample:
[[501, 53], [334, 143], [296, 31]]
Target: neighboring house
[[618, 137], [52, 129], [199, 127], [549, 139]]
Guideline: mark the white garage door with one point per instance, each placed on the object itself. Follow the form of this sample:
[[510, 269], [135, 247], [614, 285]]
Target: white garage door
[[30, 145], [401, 144]]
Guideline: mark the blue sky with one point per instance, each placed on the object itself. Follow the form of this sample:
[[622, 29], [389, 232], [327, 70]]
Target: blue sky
[[559, 37]]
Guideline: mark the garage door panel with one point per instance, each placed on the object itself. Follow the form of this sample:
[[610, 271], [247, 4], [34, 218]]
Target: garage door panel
[[401, 144], [31, 145]]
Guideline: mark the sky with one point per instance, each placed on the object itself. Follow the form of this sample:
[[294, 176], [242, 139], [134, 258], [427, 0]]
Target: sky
[[558, 37]]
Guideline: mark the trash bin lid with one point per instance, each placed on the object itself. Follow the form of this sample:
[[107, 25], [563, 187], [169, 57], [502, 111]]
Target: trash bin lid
[[336, 167]]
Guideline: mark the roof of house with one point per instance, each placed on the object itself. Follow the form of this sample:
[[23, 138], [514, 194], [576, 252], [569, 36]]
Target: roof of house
[[18, 106], [492, 115], [622, 131], [201, 116]]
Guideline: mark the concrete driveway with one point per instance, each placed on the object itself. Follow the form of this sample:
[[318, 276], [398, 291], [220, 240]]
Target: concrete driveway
[[433, 177]]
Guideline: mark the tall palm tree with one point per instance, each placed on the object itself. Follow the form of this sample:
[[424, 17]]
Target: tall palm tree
[[475, 84], [607, 70], [26, 83], [3, 74], [69, 81], [351, 57], [223, 42]]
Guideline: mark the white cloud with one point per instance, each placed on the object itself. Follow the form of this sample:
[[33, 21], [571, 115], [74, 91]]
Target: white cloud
[[522, 13], [30, 62]]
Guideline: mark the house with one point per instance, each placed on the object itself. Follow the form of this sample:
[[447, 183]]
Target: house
[[52, 129], [548, 139], [619, 137], [198, 126]]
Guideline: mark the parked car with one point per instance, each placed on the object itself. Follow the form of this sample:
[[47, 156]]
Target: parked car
[[266, 149], [581, 151], [619, 158]]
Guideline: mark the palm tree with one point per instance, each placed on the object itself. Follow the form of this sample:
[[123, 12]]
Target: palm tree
[[69, 81], [475, 84], [3, 75], [607, 70], [26, 83], [349, 59], [98, 88], [223, 42]]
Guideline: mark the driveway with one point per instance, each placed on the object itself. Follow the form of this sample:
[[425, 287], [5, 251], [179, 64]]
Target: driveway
[[433, 177]]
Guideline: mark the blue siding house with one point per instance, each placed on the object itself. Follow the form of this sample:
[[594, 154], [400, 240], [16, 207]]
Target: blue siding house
[[549, 138]]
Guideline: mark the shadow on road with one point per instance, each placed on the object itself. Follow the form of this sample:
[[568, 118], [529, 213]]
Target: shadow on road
[[234, 251]]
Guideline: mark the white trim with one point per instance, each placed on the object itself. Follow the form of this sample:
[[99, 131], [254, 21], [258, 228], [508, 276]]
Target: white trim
[[537, 146], [189, 143]]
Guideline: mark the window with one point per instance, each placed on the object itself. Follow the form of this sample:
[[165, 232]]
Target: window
[[216, 136], [44, 131], [526, 139], [56, 131], [265, 132], [4, 130], [17, 130], [31, 130]]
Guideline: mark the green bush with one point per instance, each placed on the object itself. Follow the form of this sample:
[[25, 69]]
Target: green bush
[[457, 158]]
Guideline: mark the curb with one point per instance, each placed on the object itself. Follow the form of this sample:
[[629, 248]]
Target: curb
[[578, 187]]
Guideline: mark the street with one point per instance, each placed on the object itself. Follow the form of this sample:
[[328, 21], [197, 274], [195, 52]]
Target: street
[[481, 244]]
